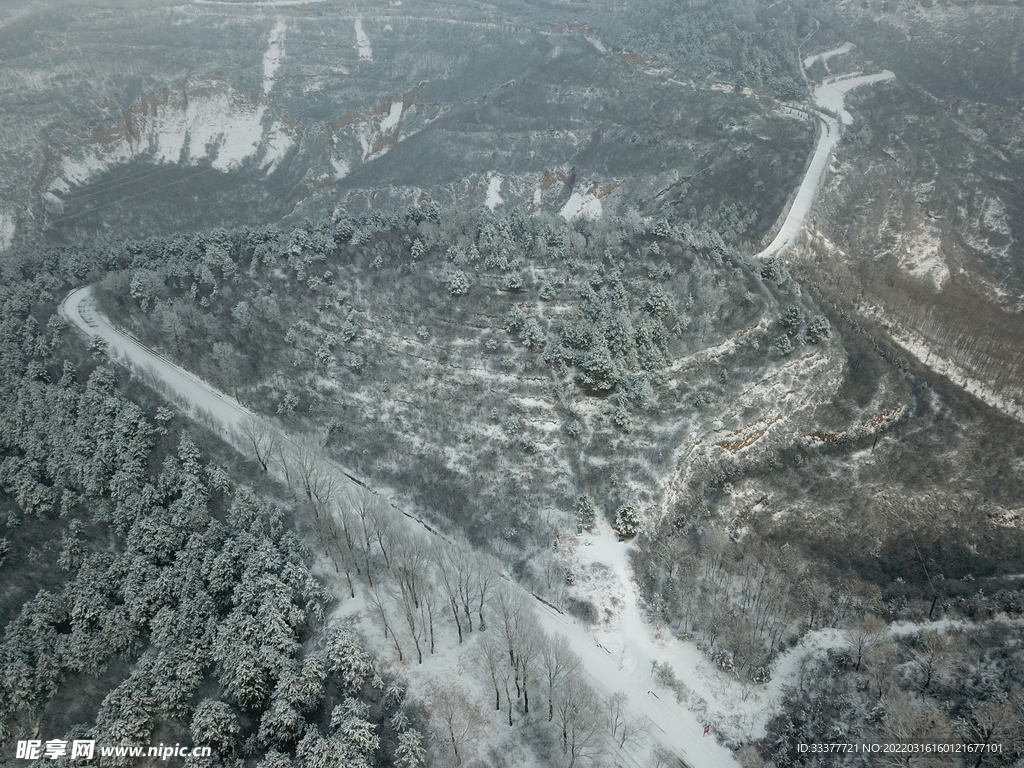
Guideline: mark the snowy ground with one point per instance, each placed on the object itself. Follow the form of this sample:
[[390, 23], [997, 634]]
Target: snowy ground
[[494, 198], [585, 204]]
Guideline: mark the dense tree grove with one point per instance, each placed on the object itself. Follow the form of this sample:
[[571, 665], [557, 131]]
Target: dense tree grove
[[172, 569], [177, 604]]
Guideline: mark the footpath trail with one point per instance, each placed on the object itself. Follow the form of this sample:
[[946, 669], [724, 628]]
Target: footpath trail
[[672, 725]]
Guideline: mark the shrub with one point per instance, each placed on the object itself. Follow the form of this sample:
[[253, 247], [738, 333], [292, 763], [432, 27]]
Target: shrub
[[628, 521], [818, 329], [458, 283]]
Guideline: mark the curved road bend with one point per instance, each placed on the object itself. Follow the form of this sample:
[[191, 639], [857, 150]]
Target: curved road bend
[[828, 95]]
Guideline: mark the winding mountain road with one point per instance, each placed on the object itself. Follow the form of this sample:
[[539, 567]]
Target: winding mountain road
[[828, 95]]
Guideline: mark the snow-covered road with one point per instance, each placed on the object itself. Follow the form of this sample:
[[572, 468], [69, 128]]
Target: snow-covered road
[[828, 95], [808, 188], [80, 309]]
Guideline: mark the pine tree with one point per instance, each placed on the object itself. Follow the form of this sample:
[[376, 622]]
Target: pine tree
[[628, 521], [410, 752]]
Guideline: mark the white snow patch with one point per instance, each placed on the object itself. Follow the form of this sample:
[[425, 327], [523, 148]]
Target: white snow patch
[[7, 227], [272, 58], [363, 42], [341, 168], [279, 141], [923, 256], [584, 204], [393, 117], [239, 140], [844, 48], [80, 170], [494, 198], [363, 134]]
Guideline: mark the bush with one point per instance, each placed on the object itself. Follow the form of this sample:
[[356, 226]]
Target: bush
[[458, 283], [628, 521], [818, 329]]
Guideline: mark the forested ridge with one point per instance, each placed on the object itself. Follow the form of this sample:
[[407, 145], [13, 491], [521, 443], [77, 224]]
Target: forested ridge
[[377, 312], [177, 602]]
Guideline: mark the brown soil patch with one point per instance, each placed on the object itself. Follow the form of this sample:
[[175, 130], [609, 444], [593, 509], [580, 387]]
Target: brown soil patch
[[747, 436]]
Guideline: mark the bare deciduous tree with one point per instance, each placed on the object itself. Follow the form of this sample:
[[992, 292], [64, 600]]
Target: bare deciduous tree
[[625, 728], [484, 579], [455, 572], [490, 658], [529, 643], [558, 663], [457, 718], [995, 722], [377, 601], [578, 717], [866, 633], [908, 721], [260, 437]]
